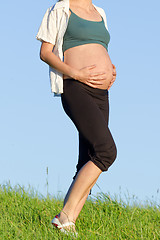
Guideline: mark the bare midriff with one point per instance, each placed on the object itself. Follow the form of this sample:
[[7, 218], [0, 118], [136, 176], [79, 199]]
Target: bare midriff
[[88, 54]]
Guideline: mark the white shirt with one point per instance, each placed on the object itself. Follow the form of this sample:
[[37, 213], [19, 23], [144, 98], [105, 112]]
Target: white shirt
[[52, 30]]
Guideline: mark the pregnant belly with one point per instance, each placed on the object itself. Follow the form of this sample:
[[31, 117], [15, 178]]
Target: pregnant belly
[[85, 55]]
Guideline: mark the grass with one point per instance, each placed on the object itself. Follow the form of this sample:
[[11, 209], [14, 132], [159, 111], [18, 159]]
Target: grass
[[26, 215]]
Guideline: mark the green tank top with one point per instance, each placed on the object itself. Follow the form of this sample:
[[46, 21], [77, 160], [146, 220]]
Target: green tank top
[[81, 31]]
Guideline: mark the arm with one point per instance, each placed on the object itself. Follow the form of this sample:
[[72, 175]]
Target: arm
[[52, 60], [47, 35], [84, 75]]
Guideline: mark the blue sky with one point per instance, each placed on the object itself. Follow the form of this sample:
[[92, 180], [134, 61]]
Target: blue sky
[[35, 132]]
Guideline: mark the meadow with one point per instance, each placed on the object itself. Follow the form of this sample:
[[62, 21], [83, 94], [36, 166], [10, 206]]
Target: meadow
[[25, 215]]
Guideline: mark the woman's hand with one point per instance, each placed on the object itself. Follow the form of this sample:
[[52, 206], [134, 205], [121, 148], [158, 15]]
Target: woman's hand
[[114, 77], [86, 76]]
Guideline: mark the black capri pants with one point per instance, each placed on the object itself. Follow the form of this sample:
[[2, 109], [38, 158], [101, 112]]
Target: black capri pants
[[88, 108]]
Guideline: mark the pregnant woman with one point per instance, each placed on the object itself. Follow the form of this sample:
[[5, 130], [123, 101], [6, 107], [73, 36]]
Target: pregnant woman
[[75, 37]]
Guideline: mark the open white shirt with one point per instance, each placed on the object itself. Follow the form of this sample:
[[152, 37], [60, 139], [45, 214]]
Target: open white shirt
[[52, 30]]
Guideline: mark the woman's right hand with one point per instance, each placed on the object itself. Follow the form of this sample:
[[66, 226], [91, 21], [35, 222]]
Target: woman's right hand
[[87, 76]]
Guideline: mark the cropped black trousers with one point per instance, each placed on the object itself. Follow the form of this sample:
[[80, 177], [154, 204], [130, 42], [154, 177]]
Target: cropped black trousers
[[88, 108]]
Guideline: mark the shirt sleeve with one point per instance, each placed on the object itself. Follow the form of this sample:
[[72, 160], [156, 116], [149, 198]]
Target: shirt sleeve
[[48, 30]]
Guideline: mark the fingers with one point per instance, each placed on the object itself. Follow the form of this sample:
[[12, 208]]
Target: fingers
[[96, 76], [111, 83], [113, 80], [96, 79], [93, 85], [113, 66], [95, 82], [91, 66], [114, 70], [94, 65]]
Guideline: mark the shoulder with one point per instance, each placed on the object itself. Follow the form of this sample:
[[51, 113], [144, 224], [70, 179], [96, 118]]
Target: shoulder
[[103, 14], [59, 5], [101, 10], [55, 11]]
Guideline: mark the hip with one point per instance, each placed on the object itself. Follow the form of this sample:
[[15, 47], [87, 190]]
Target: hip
[[79, 98], [80, 86]]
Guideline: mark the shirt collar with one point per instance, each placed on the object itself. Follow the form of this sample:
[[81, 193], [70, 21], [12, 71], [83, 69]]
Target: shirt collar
[[62, 4]]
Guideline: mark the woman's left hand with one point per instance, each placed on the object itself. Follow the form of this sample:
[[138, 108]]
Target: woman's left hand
[[114, 77]]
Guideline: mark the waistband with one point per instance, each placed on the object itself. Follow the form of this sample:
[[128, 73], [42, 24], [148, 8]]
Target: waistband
[[89, 88]]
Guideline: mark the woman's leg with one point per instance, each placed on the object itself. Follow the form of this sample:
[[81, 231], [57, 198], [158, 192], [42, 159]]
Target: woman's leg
[[84, 181], [81, 106], [83, 158], [84, 154], [81, 202]]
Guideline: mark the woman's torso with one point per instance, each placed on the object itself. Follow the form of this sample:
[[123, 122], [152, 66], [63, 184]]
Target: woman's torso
[[84, 55]]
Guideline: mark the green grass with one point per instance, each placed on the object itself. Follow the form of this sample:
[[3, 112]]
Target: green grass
[[25, 215]]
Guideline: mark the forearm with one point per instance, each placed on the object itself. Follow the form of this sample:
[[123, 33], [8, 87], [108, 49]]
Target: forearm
[[52, 60]]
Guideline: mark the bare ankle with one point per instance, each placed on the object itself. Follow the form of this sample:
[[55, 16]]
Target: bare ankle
[[64, 217]]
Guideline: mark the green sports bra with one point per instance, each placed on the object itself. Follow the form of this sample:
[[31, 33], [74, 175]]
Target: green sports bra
[[81, 31]]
